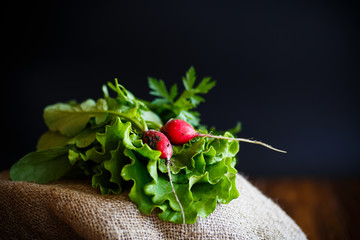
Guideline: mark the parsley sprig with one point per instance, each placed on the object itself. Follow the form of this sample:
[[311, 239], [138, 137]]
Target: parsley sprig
[[169, 104]]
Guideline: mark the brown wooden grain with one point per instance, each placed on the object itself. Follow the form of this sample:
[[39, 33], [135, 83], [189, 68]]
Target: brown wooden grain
[[323, 208]]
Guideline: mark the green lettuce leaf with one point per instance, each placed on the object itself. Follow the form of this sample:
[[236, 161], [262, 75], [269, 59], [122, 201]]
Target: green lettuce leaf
[[199, 186], [141, 174], [101, 180]]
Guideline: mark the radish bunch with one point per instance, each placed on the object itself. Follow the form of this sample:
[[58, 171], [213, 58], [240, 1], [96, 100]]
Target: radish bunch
[[179, 132]]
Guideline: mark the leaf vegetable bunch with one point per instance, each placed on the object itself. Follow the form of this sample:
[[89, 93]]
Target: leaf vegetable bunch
[[103, 140]]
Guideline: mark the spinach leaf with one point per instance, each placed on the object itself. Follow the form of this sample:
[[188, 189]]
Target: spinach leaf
[[42, 166], [69, 120]]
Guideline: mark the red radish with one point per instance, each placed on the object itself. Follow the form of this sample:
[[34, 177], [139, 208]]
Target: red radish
[[158, 141], [180, 132]]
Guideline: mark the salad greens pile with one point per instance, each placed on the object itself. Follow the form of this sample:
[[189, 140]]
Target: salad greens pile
[[102, 140]]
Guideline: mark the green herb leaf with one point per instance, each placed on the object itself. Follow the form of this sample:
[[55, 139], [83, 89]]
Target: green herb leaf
[[158, 89], [42, 166], [69, 120], [83, 139], [52, 139], [170, 105], [190, 93], [189, 79]]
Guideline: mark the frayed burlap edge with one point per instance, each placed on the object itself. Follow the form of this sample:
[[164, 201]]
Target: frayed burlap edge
[[74, 210]]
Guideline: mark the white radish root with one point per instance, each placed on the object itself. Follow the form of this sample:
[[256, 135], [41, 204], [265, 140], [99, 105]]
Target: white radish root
[[173, 189]]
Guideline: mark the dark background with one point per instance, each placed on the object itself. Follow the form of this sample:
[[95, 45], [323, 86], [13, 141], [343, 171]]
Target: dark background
[[289, 72]]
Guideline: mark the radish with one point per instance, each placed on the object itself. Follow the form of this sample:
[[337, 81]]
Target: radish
[[180, 132], [158, 141]]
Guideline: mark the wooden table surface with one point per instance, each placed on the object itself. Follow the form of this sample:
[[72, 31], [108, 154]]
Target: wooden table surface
[[323, 208]]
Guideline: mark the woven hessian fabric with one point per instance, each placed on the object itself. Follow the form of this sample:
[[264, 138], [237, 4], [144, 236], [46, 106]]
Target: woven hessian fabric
[[71, 209]]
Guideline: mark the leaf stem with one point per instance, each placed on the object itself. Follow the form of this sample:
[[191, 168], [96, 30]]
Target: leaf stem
[[135, 122]]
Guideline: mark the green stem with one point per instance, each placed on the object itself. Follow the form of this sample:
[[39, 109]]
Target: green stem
[[136, 123]]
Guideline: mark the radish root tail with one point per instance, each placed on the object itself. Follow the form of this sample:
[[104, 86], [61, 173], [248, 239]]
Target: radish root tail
[[173, 189], [243, 140]]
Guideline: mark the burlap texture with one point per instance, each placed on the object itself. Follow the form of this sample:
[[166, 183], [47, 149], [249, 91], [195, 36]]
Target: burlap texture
[[74, 210]]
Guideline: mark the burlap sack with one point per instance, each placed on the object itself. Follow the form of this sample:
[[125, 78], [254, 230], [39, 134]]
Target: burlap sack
[[74, 210]]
